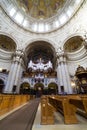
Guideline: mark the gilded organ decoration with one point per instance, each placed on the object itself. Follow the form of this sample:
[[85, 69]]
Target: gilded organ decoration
[[41, 9], [40, 66]]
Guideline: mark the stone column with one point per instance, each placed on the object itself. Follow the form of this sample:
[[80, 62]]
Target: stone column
[[68, 78], [63, 74], [64, 79], [13, 75], [14, 72], [59, 76], [18, 75], [6, 90]]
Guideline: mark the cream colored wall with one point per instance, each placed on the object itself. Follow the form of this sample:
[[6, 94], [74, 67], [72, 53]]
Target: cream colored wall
[[5, 65], [72, 65], [76, 26], [77, 58], [5, 59]]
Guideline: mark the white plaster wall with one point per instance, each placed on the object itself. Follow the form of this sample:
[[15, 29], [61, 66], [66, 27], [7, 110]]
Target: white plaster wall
[[4, 64], [72, 65], [77, 58], [5, 59]]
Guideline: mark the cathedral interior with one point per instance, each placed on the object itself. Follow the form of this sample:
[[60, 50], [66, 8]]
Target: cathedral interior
[[43, 64]]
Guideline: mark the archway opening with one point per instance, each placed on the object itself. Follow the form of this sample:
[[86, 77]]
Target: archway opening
[[41, 49], [25, 88], [1, 85], [41, 66], [52, 88], [39, 89]]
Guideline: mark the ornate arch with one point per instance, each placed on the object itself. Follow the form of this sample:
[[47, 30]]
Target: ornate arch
[[52, 88], [50, 42], [25, 88], [70, 37], [10, 36], [10, 42]]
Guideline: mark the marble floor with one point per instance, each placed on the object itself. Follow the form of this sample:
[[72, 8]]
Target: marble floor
[[59, 123]]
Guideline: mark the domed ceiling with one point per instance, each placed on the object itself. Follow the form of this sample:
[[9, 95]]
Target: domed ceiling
[[7, 44], [73, 44], [41, 9], [41, 16]]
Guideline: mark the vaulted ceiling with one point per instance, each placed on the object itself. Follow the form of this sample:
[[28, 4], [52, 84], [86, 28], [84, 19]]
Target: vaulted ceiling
[[7, 44], [41, 9], [41, 49], [73, 44], [41, 16]]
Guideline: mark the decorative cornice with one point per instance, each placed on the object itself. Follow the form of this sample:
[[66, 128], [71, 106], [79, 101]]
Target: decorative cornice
[[60, 53], [81, 53]]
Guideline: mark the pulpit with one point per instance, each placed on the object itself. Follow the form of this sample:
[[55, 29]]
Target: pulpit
[[81, 74]]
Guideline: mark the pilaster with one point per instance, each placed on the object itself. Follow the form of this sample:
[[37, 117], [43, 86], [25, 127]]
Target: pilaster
[[13, 77], [63, 74]]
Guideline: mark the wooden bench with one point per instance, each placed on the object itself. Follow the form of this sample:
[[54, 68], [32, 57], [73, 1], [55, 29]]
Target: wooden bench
[[80, 102], [68, 110], [10, 102], [47, 115], [68, 105]]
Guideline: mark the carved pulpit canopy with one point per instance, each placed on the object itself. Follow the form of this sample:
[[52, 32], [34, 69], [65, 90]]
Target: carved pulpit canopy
[[81, 74], [80, 69]]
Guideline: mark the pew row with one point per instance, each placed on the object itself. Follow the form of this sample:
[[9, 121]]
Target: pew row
[[61, 103], [68, 105], [47, 116], [10, 102], [80, 101]]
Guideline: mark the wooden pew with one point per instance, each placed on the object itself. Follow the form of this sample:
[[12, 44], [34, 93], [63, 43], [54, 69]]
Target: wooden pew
[[47, 115], [9, 102], [80, 101], [67, 105], [67, 109]]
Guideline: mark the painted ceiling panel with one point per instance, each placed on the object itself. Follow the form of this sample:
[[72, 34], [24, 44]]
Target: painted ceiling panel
[[7, 44], [41, 9], [73, 44], [41, 16]]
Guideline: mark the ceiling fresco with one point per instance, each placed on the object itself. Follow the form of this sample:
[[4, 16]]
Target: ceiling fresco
[[41, 9], [7, 44], [41, 16], [73, 44]]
